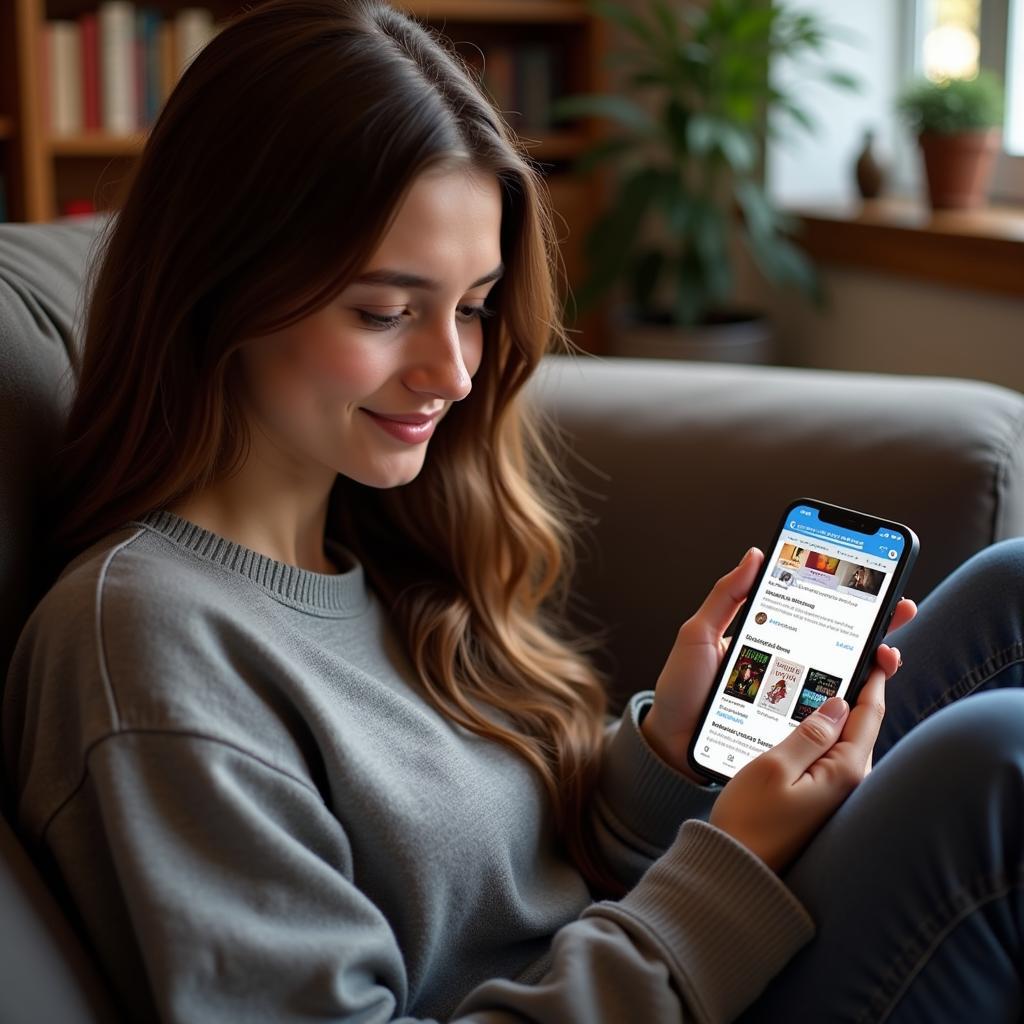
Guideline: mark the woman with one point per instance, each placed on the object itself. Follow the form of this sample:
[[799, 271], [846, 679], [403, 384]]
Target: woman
[[299, 728]]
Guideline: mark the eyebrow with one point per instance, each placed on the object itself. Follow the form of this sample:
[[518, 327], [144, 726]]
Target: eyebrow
[[401, 279]]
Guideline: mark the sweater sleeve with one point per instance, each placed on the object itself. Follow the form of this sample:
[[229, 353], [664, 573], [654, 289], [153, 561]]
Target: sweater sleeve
[[640, 800], [237, 882]]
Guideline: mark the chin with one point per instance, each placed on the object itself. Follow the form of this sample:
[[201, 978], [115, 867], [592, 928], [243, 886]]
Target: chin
[[388, 478]]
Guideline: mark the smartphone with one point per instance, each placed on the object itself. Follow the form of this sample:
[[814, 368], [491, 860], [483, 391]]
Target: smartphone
[[809, 629]]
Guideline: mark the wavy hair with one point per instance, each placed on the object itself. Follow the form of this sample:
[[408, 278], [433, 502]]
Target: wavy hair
[[274, 168]]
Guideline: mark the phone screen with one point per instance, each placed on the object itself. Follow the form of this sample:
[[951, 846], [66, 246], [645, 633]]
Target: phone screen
[[821, 592]]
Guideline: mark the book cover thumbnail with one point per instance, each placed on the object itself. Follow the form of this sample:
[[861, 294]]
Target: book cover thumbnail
[[818, 687], [780, 686], [746, 675]]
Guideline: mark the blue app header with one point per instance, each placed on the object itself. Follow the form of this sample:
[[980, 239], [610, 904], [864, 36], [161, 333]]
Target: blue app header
[[885, 543]]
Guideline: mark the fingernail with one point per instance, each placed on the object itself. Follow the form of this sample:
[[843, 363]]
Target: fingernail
[[746, 556], [834, 708]]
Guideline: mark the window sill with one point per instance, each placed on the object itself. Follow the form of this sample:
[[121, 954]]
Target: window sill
[[980, 249]]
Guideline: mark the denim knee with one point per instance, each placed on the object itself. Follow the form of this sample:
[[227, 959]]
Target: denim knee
[[973, 743], [1001, 563]]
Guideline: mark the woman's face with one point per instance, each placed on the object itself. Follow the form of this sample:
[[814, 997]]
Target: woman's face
[[402, 340]]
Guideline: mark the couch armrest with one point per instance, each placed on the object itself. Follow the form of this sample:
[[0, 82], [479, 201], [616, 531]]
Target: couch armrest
[[684, 465]]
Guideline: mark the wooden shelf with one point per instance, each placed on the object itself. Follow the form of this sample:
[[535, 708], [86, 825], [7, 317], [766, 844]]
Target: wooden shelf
[[541, 145], [981, 249], [97, 144], [45, 172]]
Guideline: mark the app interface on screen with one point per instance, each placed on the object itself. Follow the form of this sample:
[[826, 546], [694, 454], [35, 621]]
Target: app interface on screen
[[821, 591]]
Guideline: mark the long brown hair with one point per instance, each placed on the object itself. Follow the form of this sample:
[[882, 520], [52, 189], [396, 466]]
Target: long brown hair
[[274, 169]]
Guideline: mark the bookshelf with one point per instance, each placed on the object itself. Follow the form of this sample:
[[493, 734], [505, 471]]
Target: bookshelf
[[529, 51]]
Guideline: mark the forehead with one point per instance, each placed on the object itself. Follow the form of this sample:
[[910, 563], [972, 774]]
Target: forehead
[[448, 221]]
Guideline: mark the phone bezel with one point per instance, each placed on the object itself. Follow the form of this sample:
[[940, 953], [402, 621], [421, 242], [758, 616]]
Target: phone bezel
[[842, 516]]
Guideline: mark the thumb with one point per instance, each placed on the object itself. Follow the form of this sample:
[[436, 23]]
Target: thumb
[[719, 608], [813, 737]]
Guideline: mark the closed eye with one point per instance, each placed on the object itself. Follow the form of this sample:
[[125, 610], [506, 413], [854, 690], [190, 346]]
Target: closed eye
[[383, 323]]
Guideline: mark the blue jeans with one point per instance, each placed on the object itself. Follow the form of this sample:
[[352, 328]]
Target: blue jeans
[[916, 883]]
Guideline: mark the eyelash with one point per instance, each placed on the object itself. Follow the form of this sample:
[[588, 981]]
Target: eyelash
[[385, 323]]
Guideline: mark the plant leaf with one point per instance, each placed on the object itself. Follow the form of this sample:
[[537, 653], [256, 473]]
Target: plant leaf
[[626, 19], [647, 271], [610, 240], [606, 149], [611, 105], [843, 80]]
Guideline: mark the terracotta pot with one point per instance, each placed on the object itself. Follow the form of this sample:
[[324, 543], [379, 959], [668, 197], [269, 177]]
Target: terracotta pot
[[959, 167], [737, 336]]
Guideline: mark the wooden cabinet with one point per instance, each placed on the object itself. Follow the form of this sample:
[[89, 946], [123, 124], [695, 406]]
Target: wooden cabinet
[[44, 174]]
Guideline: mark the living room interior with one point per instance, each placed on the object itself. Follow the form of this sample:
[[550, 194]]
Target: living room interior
[[791, 257]]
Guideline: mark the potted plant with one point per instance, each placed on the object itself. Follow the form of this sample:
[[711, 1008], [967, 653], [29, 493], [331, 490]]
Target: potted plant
[[958, 122], [691, 121]]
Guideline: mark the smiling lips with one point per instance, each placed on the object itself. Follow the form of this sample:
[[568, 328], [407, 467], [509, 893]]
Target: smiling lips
[[408, 417], [412, 428]]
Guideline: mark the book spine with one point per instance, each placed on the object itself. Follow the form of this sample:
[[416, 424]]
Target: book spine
[[168, 60], [90, 72], [139, 65], [194, 29], [116, 31], [499, 78], [66, 77], [154, 58], [534, 74]]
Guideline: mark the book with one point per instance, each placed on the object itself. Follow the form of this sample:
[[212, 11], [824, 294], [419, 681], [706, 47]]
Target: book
[[116, 23], [747, 673], [780, 686], [499, 78], [817, 688], [193, 29], [534, 86], [88, 30], [64, 64]]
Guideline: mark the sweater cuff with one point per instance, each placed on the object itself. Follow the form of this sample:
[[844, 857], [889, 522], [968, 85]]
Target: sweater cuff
[[705, 898], [640, 790]]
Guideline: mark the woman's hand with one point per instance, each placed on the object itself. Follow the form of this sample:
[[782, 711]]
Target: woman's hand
[[683, 686], [779, 800]]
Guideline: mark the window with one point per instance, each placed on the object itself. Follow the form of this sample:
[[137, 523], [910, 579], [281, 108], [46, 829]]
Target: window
[[956, 38], [951, 42], [1015, 81]]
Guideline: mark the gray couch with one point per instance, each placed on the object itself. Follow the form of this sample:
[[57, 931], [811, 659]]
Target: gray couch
[[682, 466]]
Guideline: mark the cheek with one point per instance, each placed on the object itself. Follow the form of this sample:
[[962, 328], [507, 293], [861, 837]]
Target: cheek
[[473, 352], [328, 363]]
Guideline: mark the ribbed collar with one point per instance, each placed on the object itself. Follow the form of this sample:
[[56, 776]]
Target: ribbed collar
[[343, 594]]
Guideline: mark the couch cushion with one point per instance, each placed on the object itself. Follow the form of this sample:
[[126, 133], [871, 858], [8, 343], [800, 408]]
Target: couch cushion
[[42, 268]]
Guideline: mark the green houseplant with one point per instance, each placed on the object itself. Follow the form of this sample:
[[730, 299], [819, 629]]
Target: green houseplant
[[958, 123], [689, 128]]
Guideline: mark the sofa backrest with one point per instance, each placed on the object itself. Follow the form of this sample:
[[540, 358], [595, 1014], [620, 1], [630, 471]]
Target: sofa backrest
[[42, 267], [46, 974]]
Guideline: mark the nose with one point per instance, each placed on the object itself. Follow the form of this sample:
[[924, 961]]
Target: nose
[[438, 366]]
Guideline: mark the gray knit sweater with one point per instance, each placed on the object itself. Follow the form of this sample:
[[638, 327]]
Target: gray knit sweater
[[258, 817]]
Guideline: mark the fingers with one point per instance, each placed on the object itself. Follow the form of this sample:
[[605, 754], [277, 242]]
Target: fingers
[[905, 611], [889, 658], [865, 719], [812, 738], [712, 619]]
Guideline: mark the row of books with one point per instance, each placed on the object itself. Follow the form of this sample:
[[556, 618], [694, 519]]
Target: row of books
[[522, 80], [111, 68]]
